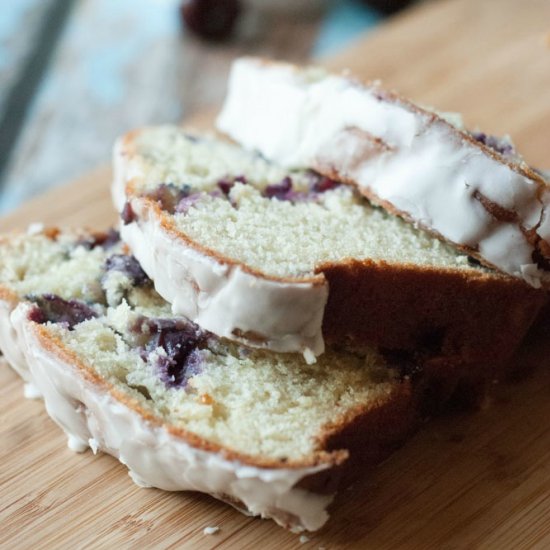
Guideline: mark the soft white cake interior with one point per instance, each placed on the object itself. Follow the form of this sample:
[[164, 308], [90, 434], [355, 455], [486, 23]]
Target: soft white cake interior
[[256, 403], [277, 237]]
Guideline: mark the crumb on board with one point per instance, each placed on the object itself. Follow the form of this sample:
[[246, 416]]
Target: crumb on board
[[35, 228], [309, 356], [304, 539], [211, 530]]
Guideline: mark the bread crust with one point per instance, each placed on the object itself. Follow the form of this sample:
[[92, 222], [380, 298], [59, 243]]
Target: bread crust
[[471, 317]]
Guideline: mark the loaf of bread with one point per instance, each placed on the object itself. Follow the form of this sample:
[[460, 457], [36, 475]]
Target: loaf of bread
[[181, 408], [289, 260], [468, 188]]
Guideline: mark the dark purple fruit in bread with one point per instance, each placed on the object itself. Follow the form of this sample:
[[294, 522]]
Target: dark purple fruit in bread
[[55, 309], [186, 203], [284, 190], [36, 315], [323, 184], [281, 191], [210, 19], [181, 341], [169, 195], [127, 215], [500, 145], [129, 266], [227, 183], [105, 240]]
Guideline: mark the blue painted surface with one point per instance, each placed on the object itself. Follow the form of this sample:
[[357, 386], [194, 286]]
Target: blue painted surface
[[102, 42], [12, 198], [107, 51], [343, 23], [12, 16]]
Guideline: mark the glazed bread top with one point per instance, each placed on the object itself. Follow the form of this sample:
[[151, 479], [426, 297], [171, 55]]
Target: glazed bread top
[[468, 188]]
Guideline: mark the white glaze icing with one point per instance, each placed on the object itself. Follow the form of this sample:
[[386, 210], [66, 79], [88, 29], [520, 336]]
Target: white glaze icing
[[428, 171], [11, 347], [154, 457], [219, 297], [30, 391]]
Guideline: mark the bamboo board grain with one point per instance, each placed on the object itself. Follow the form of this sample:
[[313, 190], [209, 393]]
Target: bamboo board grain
[[472, 481]]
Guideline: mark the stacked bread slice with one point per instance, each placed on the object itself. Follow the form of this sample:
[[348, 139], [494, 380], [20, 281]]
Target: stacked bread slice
[[258, 332], [468, 188], [182, 409]]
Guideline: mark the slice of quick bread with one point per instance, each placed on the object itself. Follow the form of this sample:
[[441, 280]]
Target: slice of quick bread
[[468, 188], [182, 409], [289, 260]]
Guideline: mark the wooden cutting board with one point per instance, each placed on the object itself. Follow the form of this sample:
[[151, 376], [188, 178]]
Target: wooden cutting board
[[471, 481]]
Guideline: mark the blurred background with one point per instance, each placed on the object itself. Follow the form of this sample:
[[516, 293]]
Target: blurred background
[[74, 74]]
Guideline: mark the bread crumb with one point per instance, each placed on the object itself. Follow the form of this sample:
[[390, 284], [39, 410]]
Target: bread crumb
[[304, 539], [206, 399], [211, 530], [309, 356], [30, 391], [94, 445], [76, 444], [35, 228]]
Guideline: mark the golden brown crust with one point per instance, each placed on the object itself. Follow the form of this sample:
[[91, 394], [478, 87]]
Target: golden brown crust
[[369, 436], [463, 314], [387, 314], [8, 295]]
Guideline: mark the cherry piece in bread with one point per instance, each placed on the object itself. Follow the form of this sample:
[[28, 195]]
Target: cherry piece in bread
[[210, 19]]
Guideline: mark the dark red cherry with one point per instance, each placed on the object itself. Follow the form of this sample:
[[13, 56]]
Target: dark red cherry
[[210, 19]]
